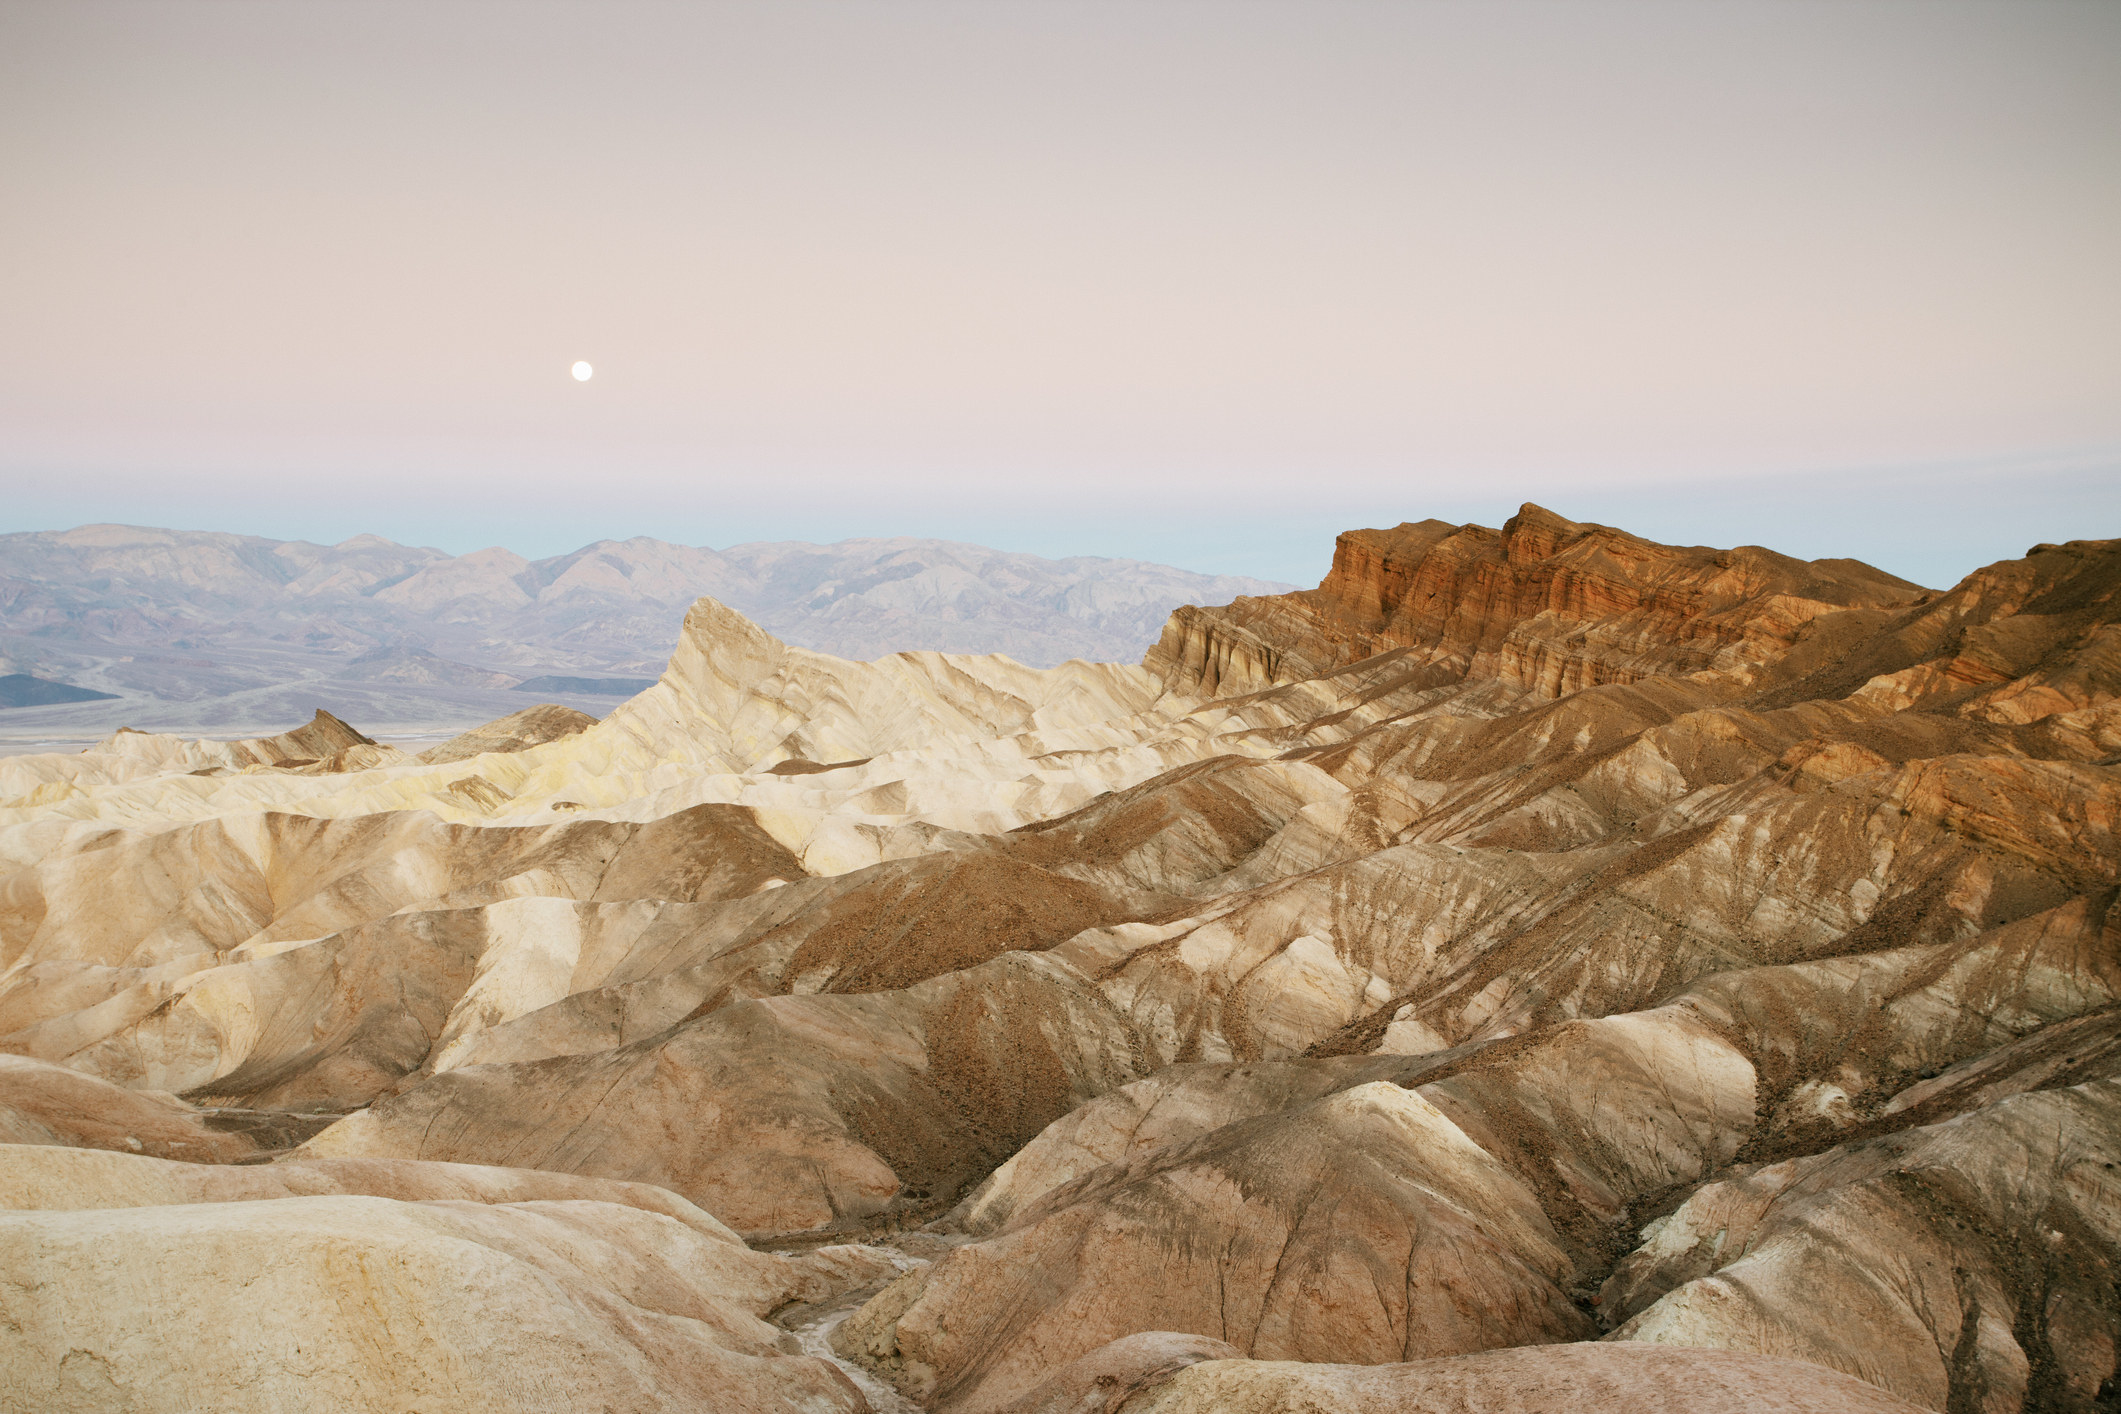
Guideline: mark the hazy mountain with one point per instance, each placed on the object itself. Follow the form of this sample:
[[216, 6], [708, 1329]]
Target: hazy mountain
[[218, 632]]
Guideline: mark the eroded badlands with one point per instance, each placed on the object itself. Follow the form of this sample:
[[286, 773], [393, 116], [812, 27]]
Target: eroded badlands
[[1538, 969]]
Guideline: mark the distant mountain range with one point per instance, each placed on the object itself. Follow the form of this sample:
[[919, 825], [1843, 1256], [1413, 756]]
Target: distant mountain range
[[217, 633]]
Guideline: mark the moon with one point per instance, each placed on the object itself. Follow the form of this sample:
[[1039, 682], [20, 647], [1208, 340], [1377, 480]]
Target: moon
[[582, 372]]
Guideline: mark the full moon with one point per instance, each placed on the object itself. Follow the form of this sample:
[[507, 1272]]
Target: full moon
[[582, 371]]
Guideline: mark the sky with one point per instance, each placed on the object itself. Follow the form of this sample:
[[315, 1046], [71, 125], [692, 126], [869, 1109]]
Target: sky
[[1202, 283]]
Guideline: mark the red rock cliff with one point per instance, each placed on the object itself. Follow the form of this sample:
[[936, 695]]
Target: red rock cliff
[[1545, 604]]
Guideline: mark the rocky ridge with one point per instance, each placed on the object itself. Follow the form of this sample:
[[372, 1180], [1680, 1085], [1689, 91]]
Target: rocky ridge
[[1536, 966]]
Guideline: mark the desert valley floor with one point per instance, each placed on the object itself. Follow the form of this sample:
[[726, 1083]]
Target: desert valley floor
[[1538, 970]]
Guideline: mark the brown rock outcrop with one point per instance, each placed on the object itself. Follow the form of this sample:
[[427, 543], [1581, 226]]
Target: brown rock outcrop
[[319, 739], [1546, 605], [518, 731]]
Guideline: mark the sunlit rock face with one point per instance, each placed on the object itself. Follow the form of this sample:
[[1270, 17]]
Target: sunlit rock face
[[1545, 605], [1537, 965]]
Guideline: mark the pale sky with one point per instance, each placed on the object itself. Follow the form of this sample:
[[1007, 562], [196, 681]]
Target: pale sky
[[1199, 282]]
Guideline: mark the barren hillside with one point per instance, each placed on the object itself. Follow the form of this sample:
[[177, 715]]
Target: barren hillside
[[1537, 969]]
